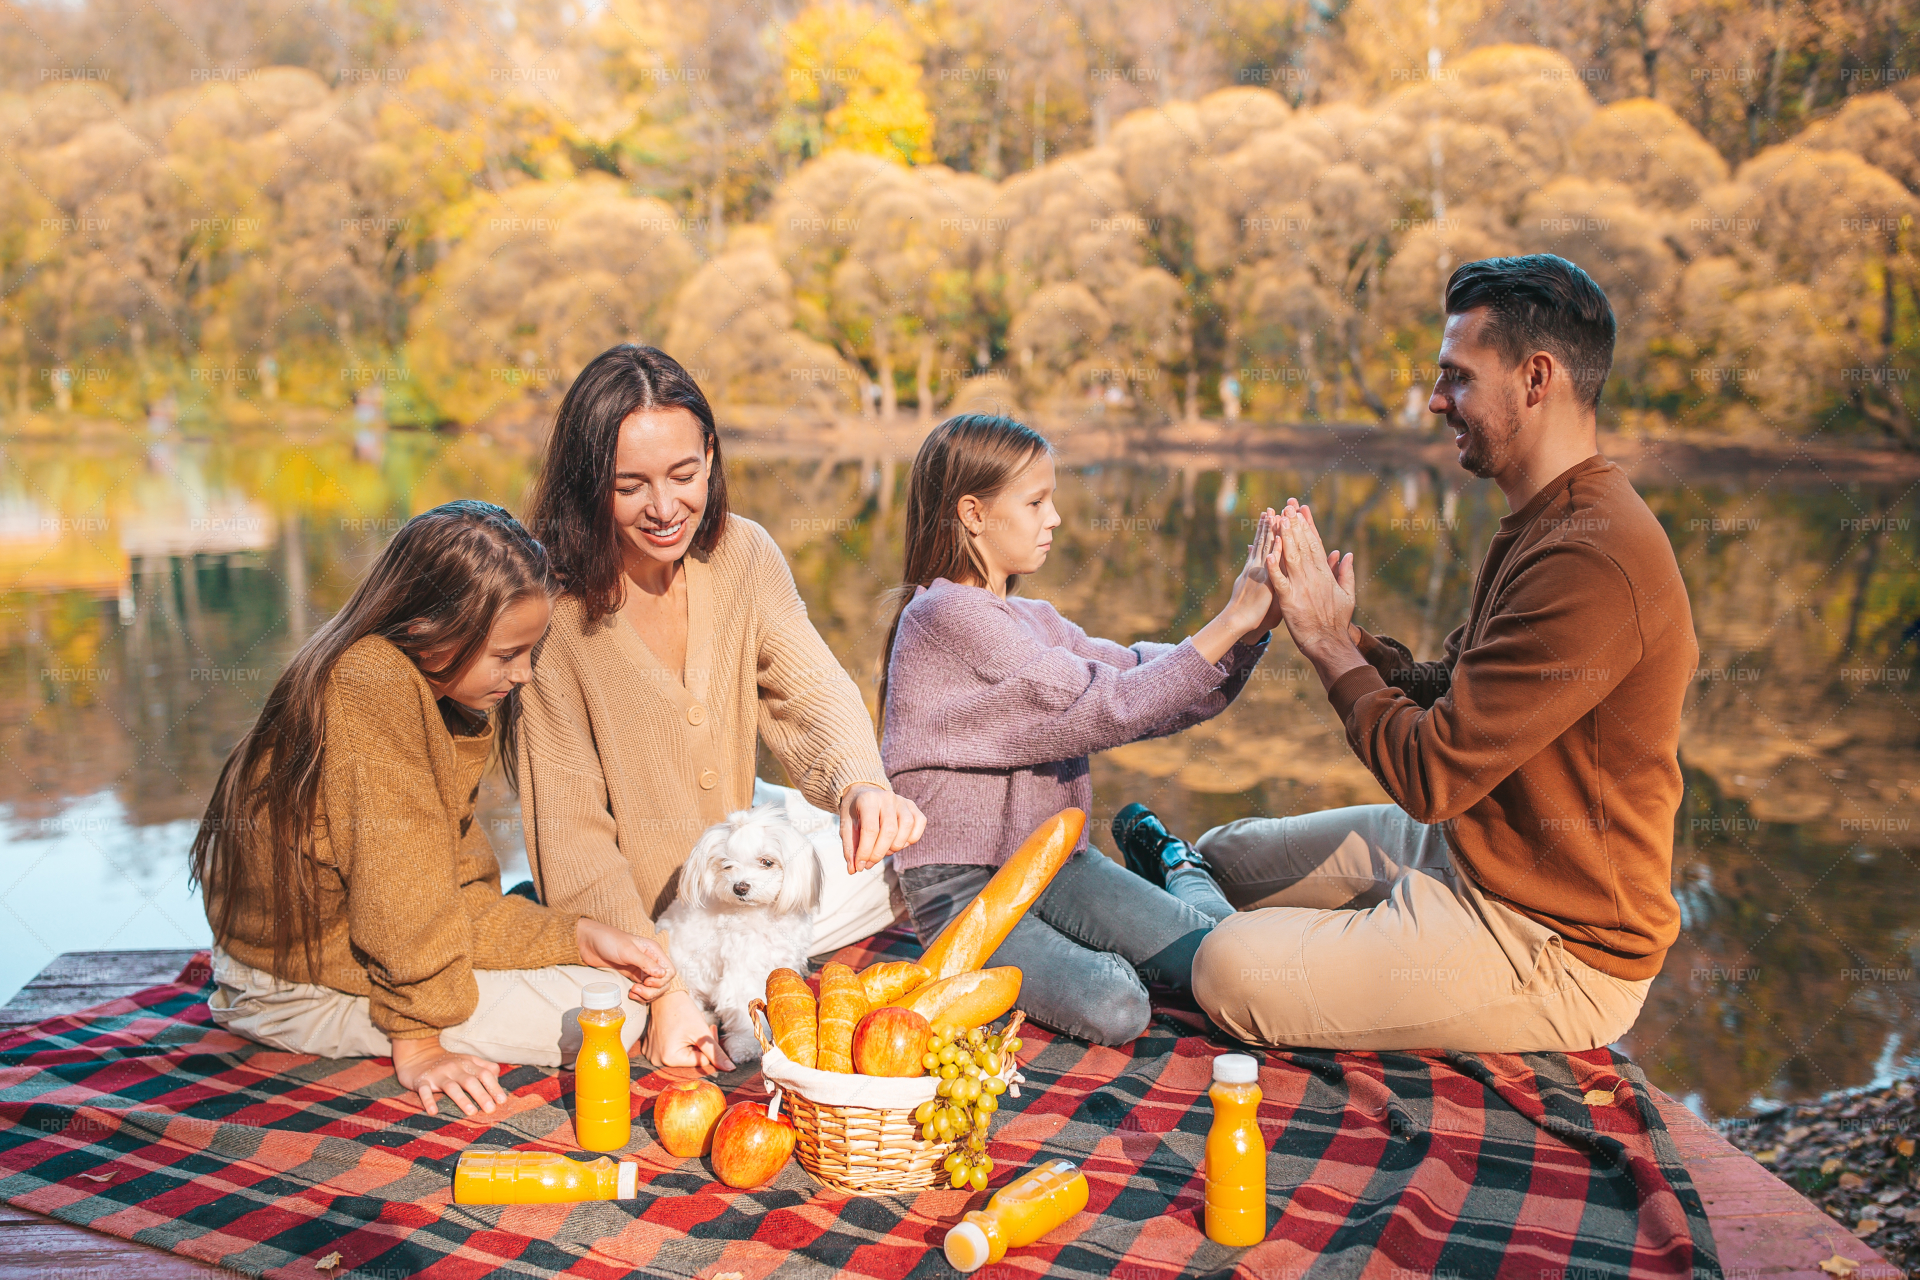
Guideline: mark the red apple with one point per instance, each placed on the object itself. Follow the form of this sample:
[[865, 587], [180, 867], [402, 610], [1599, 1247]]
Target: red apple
[[890, 1041], [749, 1146], [684, 1115]]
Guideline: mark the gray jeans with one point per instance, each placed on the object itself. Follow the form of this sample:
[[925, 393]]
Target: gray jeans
[[1090, 943]]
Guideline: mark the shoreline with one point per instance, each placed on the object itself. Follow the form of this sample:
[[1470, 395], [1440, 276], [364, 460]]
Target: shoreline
[[1210, 444]]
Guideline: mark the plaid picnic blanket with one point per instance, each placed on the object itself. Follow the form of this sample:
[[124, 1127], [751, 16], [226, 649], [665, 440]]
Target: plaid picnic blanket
[[142, 1119]]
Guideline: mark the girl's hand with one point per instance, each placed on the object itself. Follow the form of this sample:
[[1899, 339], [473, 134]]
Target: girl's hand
[[640, 960], [1248, 606], [424, 1067], [678, 1035], [875, 822]]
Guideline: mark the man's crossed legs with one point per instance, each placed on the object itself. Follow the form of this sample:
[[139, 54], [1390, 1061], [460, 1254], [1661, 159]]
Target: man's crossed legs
[[1356, 931]]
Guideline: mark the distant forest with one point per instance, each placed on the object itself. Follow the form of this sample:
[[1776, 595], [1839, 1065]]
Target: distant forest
[[1146, 211]]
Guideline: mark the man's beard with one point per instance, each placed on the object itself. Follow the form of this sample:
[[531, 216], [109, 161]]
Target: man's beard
[[1489, 443]]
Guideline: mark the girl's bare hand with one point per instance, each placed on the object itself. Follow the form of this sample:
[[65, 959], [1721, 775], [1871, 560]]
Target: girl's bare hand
[[424, 1067], [641, 961], [678, 1035]]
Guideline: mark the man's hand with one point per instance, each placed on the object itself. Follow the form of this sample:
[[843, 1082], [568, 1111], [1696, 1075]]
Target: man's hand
[[639, 960], [678, 1035], [1314, 590], [424, 1067], [875, 822]]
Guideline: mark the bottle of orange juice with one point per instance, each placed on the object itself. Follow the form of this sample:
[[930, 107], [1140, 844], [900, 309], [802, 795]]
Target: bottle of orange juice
[[602, 1075], [1236, 1154], [540, 1177], [1021, 1212]]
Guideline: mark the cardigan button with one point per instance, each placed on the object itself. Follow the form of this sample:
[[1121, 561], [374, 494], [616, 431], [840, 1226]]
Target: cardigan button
[[696, 714], [709, 779]]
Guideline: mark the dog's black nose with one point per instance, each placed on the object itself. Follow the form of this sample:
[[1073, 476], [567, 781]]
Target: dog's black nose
[[742, 889]]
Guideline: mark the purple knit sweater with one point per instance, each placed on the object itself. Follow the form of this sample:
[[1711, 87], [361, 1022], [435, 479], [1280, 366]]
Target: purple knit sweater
[[993, 707]]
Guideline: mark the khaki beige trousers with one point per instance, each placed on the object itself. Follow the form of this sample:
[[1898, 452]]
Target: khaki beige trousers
[[1356, 931], [526, 1017]]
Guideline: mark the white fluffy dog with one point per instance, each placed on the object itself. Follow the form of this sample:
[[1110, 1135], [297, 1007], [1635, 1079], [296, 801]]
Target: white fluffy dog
[[744, 907]]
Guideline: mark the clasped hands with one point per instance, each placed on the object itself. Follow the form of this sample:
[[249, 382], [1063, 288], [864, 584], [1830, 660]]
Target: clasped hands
[[1291, 578]]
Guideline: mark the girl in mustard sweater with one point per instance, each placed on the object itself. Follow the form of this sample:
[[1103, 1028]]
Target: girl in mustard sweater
[[355, 903]]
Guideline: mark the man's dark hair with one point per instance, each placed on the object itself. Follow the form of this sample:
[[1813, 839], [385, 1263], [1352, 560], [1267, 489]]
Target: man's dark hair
[[1540, 302]]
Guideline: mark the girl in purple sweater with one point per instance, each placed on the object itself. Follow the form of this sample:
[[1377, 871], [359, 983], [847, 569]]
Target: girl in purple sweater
[[991, 707]]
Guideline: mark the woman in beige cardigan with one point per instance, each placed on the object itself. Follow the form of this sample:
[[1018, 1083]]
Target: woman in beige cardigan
[[681, 639]]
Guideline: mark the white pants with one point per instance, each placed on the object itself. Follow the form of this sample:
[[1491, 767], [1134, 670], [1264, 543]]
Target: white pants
[[526, 1017], [852, 907]]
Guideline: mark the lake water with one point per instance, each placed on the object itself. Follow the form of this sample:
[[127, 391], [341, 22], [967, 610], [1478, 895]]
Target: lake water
[[152, 591]]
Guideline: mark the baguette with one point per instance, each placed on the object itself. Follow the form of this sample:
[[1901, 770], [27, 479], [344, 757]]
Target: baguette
[[972, 937], [842, 1005], [884, 984], [790, 1012], [967, 1000]]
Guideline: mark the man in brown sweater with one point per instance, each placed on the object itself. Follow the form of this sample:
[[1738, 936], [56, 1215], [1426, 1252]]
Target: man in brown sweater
[[1516, 896]]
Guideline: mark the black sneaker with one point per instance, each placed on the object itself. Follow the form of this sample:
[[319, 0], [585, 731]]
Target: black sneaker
[[1149, 848]]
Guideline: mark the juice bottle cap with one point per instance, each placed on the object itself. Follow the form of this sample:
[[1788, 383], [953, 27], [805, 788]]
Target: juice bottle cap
[[629, 1181], [1235, 1068], [600, 995], [966, 1247]]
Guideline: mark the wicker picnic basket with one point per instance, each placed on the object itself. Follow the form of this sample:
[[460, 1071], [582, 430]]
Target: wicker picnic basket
[[862, 1150]]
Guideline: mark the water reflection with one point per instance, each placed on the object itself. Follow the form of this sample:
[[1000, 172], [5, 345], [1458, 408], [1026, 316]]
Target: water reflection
[[148, 596]]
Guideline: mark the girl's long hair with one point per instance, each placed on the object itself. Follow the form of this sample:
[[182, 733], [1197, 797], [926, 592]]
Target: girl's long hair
[[439, 585], [970, 453], [571, 508]]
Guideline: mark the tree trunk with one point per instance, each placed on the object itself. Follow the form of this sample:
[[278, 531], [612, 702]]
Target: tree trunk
[[923, 380], [883, 357]]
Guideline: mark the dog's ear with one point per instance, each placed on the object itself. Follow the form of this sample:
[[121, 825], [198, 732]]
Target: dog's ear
[[802, 878], [697, 874]]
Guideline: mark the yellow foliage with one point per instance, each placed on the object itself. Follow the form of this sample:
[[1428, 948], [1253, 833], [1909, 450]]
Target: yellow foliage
[[853, 82]]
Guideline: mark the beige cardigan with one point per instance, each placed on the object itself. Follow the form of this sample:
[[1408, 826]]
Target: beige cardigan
[[622, 766]]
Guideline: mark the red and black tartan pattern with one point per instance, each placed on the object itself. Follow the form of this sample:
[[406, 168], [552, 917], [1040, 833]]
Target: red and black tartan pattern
[[1396, 1164]]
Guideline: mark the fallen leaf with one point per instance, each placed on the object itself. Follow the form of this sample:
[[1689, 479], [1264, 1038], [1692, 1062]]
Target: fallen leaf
[[1866, 1227], [1831, 1166], [1599, 1097], [100, 1177], [329, 1262], [1768, 1156], [1796, 1133], [1851, 1182], [1839, 1266], [728, 1275], [1904, 1146]]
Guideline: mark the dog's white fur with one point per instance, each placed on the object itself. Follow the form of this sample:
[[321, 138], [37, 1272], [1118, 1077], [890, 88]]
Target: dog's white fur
[[744, 907]]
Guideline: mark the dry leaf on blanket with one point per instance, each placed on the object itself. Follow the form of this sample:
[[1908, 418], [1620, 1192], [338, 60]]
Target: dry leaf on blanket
[[1599, 1097], [728, 1275], [100, 1177], [329, 1262], [1839, 1266]]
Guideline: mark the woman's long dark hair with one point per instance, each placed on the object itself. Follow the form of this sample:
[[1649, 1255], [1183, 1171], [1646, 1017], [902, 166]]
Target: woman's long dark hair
[[970, 453], [439, 585], [571, 508]]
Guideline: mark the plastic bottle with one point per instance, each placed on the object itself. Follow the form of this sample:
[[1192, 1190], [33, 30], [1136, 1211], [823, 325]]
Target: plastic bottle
[[540, 1177], [1021, 1212], [602, 1075], [1236, 1155]]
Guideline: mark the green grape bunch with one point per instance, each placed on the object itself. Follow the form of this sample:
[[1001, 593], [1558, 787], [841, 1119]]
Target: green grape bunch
[[967, 1065]]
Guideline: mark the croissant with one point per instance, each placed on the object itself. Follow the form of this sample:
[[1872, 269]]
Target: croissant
[[885, 983], [791, 1014], [842, 1005]]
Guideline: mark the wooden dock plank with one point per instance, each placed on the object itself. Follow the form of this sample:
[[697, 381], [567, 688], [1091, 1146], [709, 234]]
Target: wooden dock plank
[[1764, 1228]]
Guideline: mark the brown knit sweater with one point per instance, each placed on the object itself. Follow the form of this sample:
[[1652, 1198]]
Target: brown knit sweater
[[409, 900], [1547, 739], [622, 765]]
